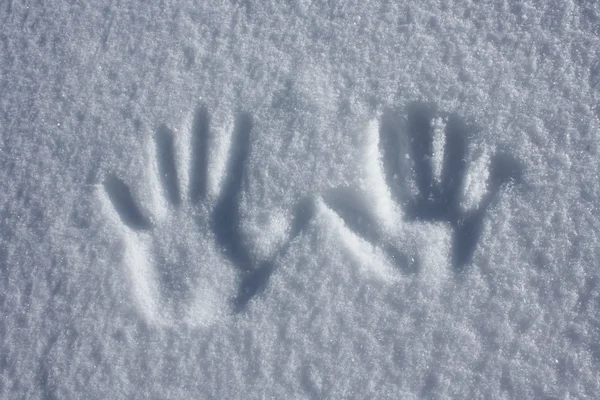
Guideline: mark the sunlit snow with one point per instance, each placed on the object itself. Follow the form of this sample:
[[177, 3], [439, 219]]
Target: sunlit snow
[[300, 200]]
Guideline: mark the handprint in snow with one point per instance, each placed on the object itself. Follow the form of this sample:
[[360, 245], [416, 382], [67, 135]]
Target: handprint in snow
[[423, 163], [185, 262]]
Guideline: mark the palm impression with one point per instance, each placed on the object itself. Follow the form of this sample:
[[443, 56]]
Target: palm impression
[[191, 262], [421, 164]]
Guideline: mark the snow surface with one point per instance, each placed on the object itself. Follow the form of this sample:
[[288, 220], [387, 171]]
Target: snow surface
[[302, 199]]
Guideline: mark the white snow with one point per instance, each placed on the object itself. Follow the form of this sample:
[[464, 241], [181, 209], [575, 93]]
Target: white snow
[[326, 233]]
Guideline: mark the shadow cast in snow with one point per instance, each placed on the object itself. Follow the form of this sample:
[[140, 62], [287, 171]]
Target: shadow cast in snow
[[199, 169], [255, 281], [120, 196], [165, 153]]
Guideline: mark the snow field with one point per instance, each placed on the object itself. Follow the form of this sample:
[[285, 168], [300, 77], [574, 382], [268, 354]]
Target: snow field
[[367, 200]]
